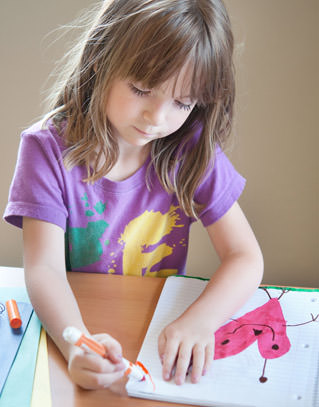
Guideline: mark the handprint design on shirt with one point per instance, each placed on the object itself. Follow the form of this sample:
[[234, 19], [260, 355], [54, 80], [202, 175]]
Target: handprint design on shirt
[[142, 242], [83, 244]]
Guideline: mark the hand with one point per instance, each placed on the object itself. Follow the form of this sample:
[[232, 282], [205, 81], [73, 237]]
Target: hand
[[92, 371], [187, 340]]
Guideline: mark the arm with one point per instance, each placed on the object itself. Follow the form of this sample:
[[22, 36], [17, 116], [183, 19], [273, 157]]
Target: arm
[[235, 280], [56, 306]]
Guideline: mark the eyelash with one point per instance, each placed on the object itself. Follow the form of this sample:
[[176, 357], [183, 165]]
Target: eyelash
[[142, 93], [137, 91], [182, 106]]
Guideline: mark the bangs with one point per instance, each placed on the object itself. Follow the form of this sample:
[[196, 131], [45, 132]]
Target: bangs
[[157, 48]]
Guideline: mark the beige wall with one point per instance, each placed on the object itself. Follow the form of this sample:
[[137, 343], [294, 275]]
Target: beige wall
[[276, 135]]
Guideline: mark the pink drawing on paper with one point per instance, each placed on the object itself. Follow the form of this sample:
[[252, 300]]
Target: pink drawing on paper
[[265, 324]]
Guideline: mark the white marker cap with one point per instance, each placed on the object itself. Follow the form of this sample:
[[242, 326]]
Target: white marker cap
[[71, 334]]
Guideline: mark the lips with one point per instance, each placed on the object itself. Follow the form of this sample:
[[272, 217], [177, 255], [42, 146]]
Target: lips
[[148, 134]]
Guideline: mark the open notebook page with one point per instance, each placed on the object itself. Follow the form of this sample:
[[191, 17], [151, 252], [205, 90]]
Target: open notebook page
[[290, 380]]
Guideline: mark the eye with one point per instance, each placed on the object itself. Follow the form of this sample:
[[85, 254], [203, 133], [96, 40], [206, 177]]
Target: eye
[[137, 91], [183, 106]]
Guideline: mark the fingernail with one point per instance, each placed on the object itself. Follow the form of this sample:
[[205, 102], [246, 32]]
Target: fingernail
[[178, 380]]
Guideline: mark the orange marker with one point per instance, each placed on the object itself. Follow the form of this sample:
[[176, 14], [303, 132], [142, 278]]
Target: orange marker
[[13, 314], [75, 337]]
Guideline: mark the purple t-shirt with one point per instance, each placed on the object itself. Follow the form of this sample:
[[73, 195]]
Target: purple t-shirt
[[112, 227]]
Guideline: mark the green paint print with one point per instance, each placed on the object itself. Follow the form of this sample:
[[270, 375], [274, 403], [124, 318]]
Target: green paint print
[[84, 197], [86, 246], [100, 207], [89, 213], [84, 243]]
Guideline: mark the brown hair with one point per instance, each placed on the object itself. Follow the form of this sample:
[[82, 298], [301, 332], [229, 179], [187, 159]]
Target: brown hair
[[167, 34]]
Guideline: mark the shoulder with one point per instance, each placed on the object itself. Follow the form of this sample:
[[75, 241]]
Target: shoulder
[[220, 188], [43, 133], [40, 153], [220, 169]]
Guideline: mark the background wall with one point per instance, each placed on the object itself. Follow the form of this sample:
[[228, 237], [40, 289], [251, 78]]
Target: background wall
[[276, 134]]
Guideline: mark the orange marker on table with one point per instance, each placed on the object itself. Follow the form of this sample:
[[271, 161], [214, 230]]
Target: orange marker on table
[[13, 314]]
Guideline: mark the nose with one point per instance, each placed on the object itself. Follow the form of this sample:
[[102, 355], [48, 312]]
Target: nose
[[155, 113]]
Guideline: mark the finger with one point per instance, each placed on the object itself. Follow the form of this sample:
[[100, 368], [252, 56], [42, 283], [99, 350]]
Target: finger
[[209, 357], [95, 363], [112, 346], [161, 346], [182, 363], [169, 358], [93, 381], [198, 363]]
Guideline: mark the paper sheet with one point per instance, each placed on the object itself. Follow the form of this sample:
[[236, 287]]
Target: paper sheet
[[41, 394], [292, 378], [10, 339], [18, 387]]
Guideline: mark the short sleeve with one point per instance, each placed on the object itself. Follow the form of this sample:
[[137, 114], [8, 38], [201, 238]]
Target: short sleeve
[[221, 188], [37, 187]]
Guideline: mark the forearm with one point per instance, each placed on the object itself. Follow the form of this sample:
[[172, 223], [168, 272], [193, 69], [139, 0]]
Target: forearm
[[235, 280], [56, 306], [240, 271], [54, 303], [190, 337]]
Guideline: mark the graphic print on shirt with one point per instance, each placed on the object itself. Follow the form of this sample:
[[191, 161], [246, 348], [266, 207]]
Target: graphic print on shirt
[[142, 243], [139, 249], [84, 244]]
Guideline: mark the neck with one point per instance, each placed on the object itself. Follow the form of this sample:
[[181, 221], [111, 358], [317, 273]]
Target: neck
[[130, 160]]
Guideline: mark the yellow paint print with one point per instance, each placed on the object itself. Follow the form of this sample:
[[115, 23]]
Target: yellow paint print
[[147, 230]]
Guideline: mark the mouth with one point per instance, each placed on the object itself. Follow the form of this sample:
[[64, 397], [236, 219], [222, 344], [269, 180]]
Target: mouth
[[144, 133]]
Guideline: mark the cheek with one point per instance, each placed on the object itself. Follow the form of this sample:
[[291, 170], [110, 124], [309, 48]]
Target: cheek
[[119, 108], [127, 107], [177, 120]]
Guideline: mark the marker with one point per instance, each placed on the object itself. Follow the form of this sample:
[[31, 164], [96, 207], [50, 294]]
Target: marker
[[77, 338], [13, 314]]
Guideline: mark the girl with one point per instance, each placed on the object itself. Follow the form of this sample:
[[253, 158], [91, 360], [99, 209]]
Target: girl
[[128, 157]]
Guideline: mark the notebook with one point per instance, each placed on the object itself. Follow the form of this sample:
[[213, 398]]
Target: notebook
[[266, 355]]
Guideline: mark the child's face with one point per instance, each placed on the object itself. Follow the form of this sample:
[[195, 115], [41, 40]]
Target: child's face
[[138, 115]]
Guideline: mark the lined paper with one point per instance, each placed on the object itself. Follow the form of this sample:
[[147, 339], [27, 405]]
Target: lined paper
[[292, 379]]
